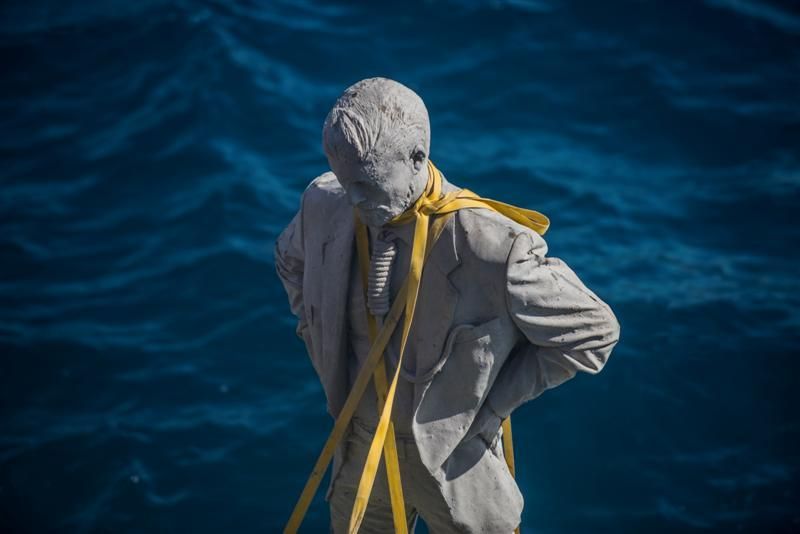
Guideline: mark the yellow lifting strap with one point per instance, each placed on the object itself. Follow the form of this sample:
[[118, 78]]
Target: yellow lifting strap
[[374, 357], [508, 451], [381, 386], [430, 204]]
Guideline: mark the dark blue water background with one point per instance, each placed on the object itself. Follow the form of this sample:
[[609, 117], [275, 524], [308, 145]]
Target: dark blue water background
[[150, 378]]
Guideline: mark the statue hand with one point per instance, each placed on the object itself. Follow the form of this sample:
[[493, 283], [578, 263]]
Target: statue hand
[[486, 425]]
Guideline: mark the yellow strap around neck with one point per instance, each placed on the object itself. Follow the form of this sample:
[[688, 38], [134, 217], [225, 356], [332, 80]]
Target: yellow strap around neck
[[432, 202]]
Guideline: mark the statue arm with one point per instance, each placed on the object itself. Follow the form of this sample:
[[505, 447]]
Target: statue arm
[[568, 328], [289, 261]]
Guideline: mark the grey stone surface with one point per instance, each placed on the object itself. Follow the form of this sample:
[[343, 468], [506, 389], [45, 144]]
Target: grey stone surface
[[498, 322]]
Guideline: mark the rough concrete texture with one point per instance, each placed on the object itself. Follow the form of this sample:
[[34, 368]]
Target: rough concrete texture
[[498, 322]]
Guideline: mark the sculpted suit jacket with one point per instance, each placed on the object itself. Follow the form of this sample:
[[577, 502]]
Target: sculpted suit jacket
[[497, 322]]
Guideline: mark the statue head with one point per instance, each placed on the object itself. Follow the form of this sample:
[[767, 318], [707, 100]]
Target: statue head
[[376, 139]]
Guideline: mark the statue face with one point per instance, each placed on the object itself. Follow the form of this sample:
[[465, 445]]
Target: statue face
[[383, 187]]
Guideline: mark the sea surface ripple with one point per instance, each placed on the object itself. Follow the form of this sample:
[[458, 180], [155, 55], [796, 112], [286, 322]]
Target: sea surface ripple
[[150, 377]]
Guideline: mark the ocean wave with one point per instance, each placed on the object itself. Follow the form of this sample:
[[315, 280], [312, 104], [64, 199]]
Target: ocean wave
[[152, 152]]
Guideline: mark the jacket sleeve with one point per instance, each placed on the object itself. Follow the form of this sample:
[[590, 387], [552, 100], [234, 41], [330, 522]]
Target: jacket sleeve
[[567, 327], [289, 261]]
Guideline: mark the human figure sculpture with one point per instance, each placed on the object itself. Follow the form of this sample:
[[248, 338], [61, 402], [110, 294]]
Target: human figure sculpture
[[496, 321]]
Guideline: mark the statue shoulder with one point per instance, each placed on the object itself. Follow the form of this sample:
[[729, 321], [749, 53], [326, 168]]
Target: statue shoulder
[[324, 193], [489, 235]]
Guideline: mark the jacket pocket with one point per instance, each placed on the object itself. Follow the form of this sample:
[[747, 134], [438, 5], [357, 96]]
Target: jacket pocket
[[468, 361], [465, 333], [476, 341], [457, 339]]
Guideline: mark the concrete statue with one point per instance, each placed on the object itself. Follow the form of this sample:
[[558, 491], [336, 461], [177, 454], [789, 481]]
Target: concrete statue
[[494, 323]]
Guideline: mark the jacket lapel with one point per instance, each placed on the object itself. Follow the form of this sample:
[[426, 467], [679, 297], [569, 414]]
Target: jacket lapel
[[436, 304]]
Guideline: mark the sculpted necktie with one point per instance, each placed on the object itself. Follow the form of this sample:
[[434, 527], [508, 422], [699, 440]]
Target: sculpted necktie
[[430, 205], [384, 251]]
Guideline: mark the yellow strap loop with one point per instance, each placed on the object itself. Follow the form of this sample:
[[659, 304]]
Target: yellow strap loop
[[430, 204], [418, 250], [390, 447], [352, 401], [345, 415], [508, 451]]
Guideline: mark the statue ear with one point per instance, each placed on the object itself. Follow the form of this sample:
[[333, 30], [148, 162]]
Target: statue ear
[[418, 158]]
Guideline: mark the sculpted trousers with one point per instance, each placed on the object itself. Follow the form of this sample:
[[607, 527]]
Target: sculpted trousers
[[472, 502]]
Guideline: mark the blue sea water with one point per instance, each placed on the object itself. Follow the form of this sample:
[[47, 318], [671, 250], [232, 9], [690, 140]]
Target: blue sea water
[[150, 377]]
